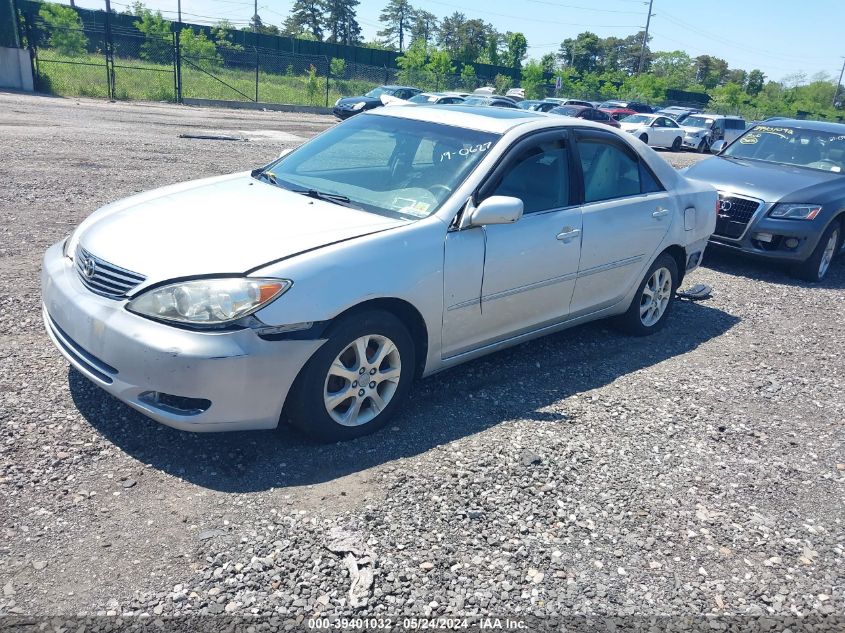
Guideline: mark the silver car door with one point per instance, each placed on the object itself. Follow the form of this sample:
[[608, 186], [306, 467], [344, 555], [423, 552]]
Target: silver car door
[[625, 216], [529, 267]]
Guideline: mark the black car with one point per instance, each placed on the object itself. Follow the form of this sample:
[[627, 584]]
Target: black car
[[345, 107], [781, 193]]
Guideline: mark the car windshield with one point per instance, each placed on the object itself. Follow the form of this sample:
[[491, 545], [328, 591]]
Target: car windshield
[[566, 110], [401, 168], [375, 93], [637, 118], [424, 98], [471, 101], [698, 121], [787, 145], [612, 104]]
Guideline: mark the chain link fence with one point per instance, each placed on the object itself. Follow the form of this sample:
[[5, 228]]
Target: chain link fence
[[121, 63]]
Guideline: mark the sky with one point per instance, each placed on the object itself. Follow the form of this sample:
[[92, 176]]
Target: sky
[[780, 37]]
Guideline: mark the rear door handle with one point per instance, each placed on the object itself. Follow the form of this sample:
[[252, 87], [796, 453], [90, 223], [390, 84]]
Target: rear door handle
[[660, 213], [568, 234]]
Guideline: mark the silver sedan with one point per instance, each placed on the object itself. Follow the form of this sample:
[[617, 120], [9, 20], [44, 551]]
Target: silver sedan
[[395, 245]]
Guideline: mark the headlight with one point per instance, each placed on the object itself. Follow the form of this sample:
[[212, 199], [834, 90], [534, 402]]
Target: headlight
[[65, 244], [795, 211], [358, 105], [208, 301], [338, 100]]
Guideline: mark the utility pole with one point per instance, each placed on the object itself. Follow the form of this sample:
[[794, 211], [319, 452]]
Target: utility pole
[[178, 52], [645, 38], [839, 83], [255, 32]]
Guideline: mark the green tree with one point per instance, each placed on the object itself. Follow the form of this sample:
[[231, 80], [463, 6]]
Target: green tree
[[412, 65], [516, 48], [221, 34], [469, 81], [676, 67], [397, 17], [503, 83], [337, 67], [312, 86], [423, 26], [440, 65], [305, 18], [584, 53], [533, 80], [549, 63], [256, 24], [754, 84], [198, 49], [66, 34], [157, 46], [464, 39], [342, 23]]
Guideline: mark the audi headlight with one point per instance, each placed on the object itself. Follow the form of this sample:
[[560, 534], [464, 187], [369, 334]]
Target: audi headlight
[[795, 211], [358, 105], [208, 301]]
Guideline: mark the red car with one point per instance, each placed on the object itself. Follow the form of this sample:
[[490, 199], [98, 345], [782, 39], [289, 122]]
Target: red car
[[617, 114], [583, 112]]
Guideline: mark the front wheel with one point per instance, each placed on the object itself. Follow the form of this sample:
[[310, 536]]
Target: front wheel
[[356, 381], [815, 267], [676, 144], [703, 146], [653, 300], [644, 138]]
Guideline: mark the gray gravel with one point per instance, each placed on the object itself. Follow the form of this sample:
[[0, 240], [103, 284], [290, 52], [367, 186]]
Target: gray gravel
[[698, 471]]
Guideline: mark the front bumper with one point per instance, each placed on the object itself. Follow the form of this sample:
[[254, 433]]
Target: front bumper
[[755, 241], [243, 378], [692, 142], [344, 113]]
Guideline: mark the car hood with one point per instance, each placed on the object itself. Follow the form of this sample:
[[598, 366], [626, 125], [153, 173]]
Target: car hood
[[691, 129], [229, 224], [354, 100], [629, 126], [771, 182]]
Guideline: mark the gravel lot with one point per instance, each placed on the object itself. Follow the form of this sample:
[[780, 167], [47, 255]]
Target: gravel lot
[[699, 471]]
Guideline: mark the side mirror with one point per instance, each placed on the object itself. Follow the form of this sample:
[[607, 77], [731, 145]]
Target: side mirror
[[497, 210], [717, 147], [284, 153]]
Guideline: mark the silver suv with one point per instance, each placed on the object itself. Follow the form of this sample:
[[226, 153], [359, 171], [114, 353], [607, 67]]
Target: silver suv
[[702, 130]]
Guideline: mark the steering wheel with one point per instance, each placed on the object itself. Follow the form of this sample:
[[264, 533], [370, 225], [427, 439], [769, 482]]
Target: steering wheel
[[436, 188]]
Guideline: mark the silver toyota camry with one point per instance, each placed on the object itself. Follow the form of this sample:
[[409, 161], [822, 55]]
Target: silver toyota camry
[[392, 246]]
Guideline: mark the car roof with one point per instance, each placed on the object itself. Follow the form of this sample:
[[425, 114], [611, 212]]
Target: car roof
[[481, 118], [817, 126], [394, 87]]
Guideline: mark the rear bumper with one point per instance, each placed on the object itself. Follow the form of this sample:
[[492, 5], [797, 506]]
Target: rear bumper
[[230, 380]]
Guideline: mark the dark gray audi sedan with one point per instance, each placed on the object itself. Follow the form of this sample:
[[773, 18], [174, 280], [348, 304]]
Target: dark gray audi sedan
[[781, 193]]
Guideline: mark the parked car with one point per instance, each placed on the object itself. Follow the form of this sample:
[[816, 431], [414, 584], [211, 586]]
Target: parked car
[[636, 106], [437, 98], [530, 104], [492, 100], [702, 130], [781, 193], [677, 113], [585, 112], [654, 130], [517, 94], [346, 274], [617, 114], [345, 107]]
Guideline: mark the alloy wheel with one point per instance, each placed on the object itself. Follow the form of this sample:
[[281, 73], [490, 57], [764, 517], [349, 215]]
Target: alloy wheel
[[829, 251], [655, 298], [362, 380]]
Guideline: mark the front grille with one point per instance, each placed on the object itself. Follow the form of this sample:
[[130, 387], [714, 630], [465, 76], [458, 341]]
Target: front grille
[[104, 278], [735, 213]]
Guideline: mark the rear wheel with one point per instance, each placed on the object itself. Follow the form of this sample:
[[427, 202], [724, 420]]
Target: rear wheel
[[816, 266], [676, 144], [653, 300], [356, 381]]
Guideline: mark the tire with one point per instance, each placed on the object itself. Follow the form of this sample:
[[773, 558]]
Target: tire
[[703, 146], [334, 369], [644, 138], [816, 267], [634, 321], [676, 144]]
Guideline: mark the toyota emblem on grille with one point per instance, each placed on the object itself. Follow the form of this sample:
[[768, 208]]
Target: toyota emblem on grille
[[89, 267]]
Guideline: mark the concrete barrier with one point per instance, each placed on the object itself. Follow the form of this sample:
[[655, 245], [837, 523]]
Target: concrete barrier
[[16, 69], [251, 105]]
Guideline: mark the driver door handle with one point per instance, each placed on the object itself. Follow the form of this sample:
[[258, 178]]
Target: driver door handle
[[660, 213], [568, 234]]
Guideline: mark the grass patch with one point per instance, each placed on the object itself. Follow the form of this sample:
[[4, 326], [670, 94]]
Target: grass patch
[[136, 79]]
